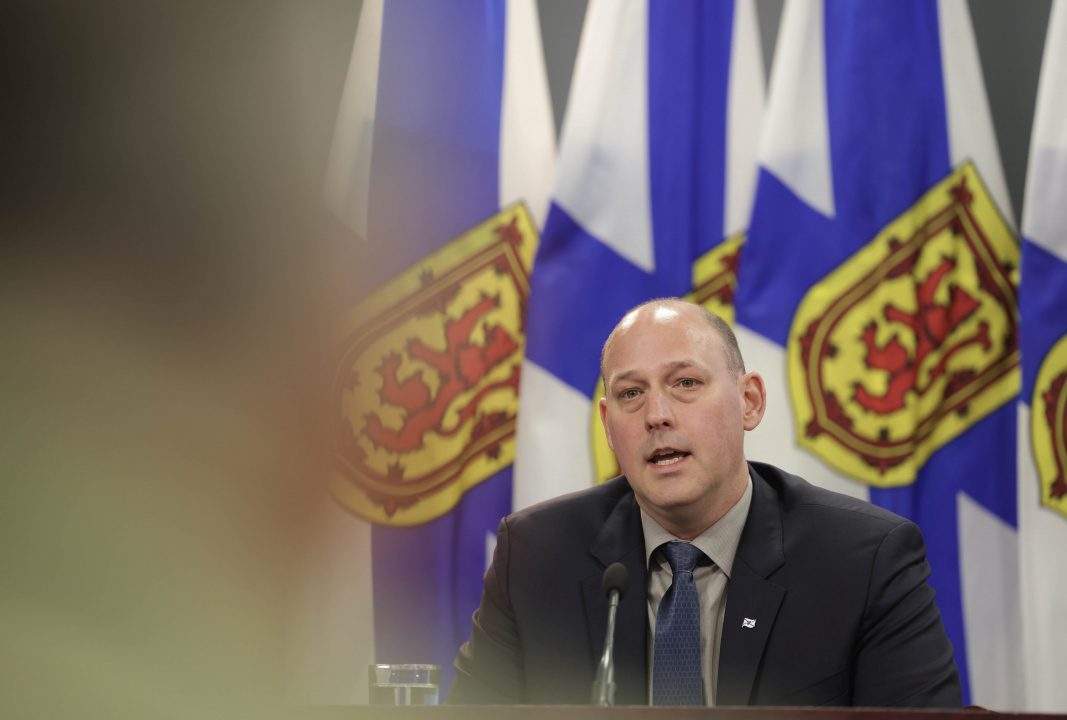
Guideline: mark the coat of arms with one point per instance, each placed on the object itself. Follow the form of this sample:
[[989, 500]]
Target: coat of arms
[[427, 387], [912, 340]]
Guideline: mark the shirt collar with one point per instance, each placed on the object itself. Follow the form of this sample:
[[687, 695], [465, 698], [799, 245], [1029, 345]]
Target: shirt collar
[[719, 542]]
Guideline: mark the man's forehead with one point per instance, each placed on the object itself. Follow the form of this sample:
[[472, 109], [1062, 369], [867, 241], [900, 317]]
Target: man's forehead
[[672, 319], [656, 355], [656, 313], [663, 368]]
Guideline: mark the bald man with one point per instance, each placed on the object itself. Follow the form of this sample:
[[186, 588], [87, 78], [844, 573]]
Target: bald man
[[785, 594]]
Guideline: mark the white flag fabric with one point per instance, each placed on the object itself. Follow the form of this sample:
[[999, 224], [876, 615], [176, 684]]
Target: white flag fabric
[[877, 295], [1043, 311], [656, 170]]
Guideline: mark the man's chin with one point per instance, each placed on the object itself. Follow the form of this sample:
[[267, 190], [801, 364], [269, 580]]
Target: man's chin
[[672, 499]]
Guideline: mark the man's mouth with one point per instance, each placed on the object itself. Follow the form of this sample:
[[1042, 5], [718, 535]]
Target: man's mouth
[[667, 457]]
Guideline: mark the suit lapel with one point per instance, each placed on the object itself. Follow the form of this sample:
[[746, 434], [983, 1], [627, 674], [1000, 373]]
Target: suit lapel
[[752, 601], [621, 540]]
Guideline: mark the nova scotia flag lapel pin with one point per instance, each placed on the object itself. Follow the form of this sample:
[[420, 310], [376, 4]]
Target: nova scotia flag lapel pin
[[748, 623]]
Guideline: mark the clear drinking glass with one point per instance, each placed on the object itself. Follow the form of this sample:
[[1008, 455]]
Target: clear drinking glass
[[405, 684]]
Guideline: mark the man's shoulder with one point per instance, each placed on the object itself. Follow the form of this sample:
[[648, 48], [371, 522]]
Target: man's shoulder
[[589, 504], [573, 521], [799, 496], [807, 524]]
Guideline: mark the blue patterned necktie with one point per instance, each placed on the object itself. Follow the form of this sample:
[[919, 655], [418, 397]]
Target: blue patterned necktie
[[676, 676]]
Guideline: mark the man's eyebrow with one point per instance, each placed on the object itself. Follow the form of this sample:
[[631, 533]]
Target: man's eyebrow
[[676, 365], [670, 367], [623, 377]]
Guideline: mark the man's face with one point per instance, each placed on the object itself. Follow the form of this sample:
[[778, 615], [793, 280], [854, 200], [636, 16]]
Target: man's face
[[676, 416]]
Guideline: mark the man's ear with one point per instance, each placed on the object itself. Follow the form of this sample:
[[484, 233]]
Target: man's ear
[[754, 398], [604, 422]]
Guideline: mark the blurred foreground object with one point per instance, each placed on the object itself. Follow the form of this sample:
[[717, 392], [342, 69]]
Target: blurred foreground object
[[165, 294]]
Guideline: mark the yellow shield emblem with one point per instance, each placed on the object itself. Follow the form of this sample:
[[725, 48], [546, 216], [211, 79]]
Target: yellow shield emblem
[[912, 340], [1048, 427], [428, 382]]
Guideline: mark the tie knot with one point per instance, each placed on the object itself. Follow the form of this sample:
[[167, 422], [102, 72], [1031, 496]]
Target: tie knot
[[681, 556]]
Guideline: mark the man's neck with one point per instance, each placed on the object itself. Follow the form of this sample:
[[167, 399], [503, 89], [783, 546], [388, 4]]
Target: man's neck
[[692, 520]]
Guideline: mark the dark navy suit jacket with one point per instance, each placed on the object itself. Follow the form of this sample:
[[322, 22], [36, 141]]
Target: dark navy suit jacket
[[836, 586]]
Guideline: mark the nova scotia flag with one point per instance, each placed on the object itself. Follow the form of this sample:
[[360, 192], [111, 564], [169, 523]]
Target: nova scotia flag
[[445, 121], [1043, 322], [657, 168], [877, 295]]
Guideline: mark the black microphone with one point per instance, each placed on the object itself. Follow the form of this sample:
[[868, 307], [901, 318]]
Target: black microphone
[[615, 584]]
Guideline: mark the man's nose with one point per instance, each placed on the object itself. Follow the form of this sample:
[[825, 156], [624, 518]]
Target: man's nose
[[659, 410]]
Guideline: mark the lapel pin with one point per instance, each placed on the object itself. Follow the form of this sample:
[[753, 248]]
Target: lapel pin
[[748, 623]]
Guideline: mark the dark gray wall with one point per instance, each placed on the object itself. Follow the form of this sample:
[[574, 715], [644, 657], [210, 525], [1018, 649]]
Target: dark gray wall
[[104, 92], [1011, 39], [1010, 36]]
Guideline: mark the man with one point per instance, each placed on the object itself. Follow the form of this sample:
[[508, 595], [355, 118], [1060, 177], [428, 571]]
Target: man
[[804, 596]]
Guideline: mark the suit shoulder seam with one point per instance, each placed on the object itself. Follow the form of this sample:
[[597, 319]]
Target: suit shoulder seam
[[874, 512]]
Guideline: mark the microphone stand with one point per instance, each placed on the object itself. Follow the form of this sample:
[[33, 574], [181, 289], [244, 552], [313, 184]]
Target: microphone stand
[[604, 684]]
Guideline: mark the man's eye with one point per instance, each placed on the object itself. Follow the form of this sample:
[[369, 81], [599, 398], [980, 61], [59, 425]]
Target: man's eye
[[688, 383], [628, 394]]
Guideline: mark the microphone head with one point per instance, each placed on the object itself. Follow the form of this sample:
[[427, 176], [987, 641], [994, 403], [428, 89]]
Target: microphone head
[[616, 577]]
